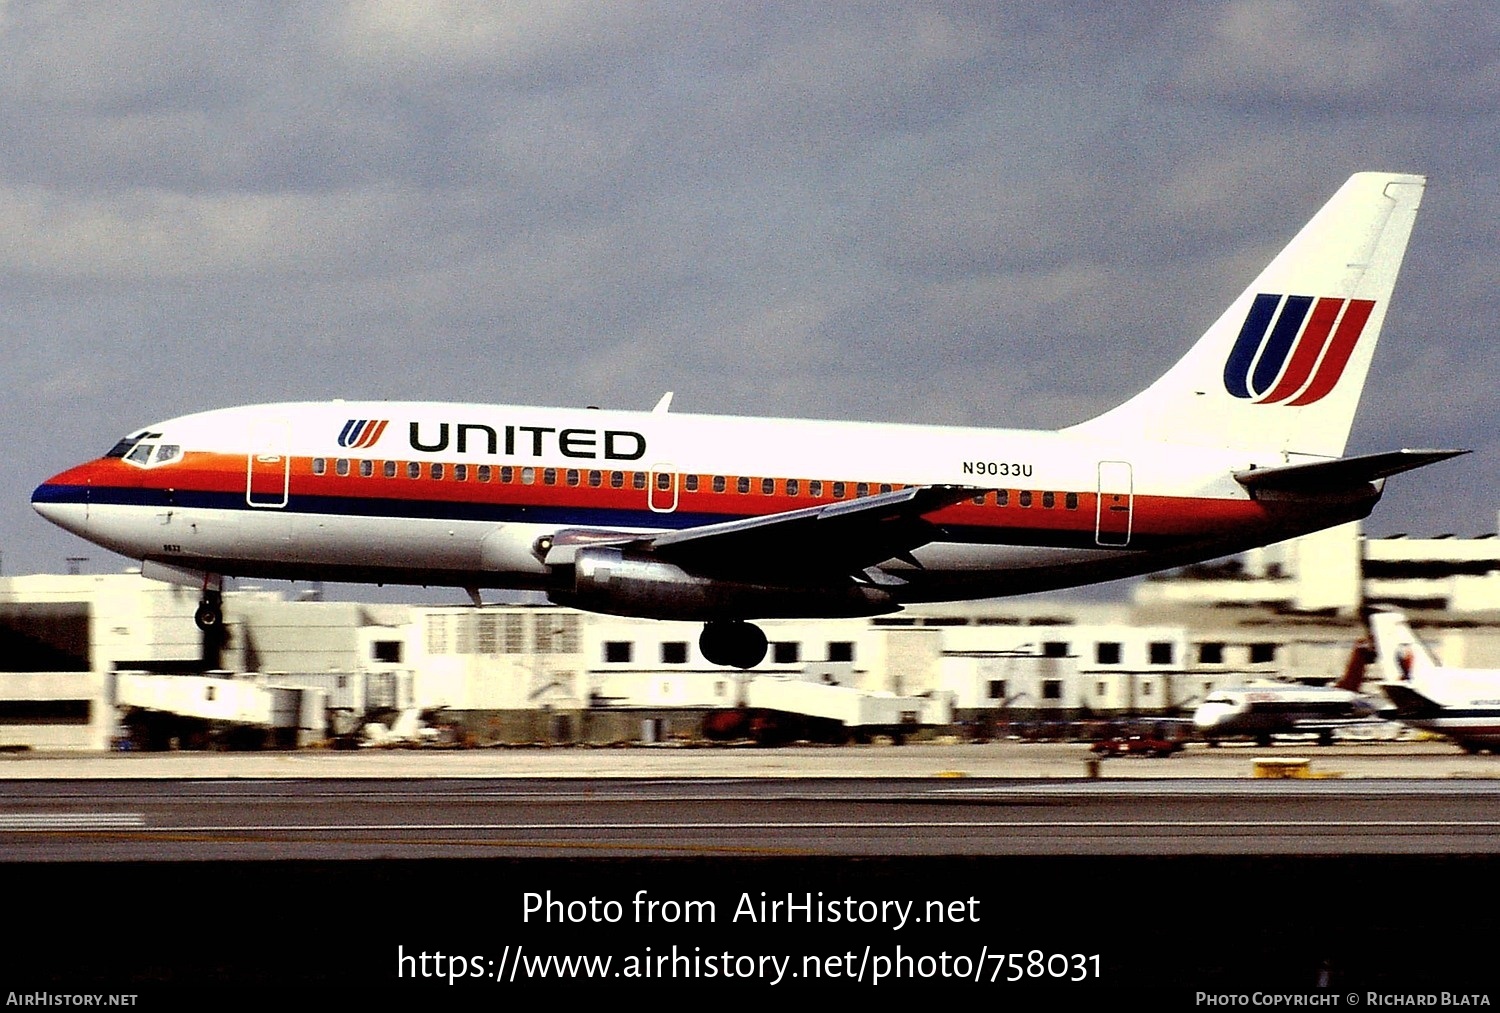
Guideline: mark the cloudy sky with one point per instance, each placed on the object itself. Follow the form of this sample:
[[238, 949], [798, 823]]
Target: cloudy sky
[[991, 214]]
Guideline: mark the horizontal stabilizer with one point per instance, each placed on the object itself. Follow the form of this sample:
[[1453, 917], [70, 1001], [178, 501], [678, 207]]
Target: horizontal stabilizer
[[1342, 473]]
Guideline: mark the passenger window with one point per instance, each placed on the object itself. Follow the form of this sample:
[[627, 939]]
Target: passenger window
[[596, 479], [979, 500], [366, 469], [638, 480], [815, 487], [719, 484], [792, 486], [413, 469], [663, 481], [1025, 499], [1049, 500], [742, 485], [341, 466], [460, 473], [838, 490], [528, 476], [483, 473], [862, 490], [885, 487], [768, 487], [549, 476], [390, 469], [507, 474], [320, 465], [436, 471], [690, 483], [1070, 501], [1002, 497], [573, 476], [617, 480]]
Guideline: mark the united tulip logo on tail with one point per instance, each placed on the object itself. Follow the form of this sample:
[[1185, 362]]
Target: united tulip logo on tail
[[1293, 348], [361, 434]]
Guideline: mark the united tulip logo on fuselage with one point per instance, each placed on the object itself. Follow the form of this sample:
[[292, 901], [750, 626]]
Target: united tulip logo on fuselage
[[1294, 356], [361, 434]]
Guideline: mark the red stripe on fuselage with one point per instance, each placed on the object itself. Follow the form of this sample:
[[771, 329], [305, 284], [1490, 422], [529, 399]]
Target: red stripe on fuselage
[[1185, 518]]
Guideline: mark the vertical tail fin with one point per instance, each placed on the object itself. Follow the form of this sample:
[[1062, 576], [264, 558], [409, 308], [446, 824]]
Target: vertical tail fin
[[1283, 368], [1398, 652]]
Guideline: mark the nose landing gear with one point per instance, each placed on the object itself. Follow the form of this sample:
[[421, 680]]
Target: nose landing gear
[[735, 644]]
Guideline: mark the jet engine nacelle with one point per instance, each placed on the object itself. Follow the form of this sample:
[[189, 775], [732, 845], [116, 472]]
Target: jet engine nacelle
[[605, 579]]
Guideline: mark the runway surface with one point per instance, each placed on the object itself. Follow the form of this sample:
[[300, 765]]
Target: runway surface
[[323, 819], [190, 878]]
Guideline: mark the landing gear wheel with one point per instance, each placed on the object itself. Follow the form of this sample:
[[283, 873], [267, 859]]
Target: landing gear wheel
[[210, 614], [735, 644]]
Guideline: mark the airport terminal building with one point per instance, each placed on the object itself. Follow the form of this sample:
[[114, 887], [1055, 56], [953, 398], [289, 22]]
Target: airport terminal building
[[93, 662]]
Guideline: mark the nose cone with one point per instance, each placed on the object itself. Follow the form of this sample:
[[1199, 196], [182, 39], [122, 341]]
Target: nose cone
[[63, 500]]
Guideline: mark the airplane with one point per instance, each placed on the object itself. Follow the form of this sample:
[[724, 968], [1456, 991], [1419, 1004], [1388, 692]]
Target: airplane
[[1268, 709], [1461, 703], [725, 520]]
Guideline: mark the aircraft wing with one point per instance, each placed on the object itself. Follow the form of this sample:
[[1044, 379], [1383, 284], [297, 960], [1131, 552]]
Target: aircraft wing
[[835, 539], [1338, 473], [1409, 703]]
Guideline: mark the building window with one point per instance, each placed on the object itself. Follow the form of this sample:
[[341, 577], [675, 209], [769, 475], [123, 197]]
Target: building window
[[997, 689], [1101, 689], [1161, 652], [841, 650], [1210, 654], [1261, 654], [387, 650], [617, 651], [1055, 649], [786, 652], [1051, 689], [674, 652], [1107, 653], [1146, 689]]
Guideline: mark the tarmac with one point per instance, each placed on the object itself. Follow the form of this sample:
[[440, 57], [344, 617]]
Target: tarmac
[[1424, 760]]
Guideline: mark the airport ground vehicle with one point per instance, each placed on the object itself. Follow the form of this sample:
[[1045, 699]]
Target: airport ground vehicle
[[1137, 745]]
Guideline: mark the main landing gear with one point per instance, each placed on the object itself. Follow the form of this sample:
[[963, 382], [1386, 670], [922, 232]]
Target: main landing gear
[[210, 614], [735, 644]]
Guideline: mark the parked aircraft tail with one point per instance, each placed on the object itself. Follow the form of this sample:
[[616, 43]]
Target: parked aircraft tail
[[1283, 368], [1398, 652]]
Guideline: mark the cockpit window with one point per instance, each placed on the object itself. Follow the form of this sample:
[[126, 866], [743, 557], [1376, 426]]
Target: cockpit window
[[129, 443], [138, 450]]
